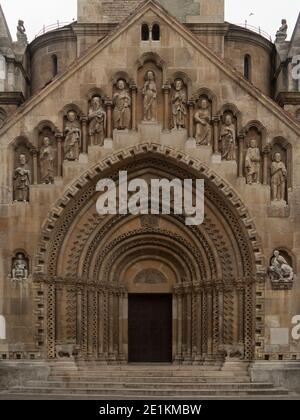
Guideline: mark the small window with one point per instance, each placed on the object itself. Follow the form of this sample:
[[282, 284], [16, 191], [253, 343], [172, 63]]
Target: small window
[[54, 65], [156, 32], [247, 67], [145, 32]]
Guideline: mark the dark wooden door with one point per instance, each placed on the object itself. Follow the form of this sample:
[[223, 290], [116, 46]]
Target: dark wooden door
[[150, 328]]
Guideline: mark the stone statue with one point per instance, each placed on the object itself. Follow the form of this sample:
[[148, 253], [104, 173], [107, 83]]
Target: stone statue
[[281, 34], [97, 118], [253, 163], [22, 180], [179, 108], [122, 107], [20, 268], [202, 118], [228, 139], [47, 159], [280, 270], [278, 178], [150, 97], [21, 32], [73, 137]]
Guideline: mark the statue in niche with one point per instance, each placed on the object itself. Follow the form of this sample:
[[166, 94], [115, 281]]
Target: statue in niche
[[21, 32], [47, 159], [20, 268], [97, 118], [22, 180], [228, 138], [72, 137], [122, 107], [280, 270], [202, 118], [179, 108], [253, 163], [281, 34], [278, 178], [150, 97]]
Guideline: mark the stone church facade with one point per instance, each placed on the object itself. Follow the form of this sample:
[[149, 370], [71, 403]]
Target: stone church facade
[[160, 91]]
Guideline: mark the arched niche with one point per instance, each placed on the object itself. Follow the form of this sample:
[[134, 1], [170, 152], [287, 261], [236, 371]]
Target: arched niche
[[45, 138], [22, 157], [145, 32], [20, 265], [254, 130], [150, 62], [3, 116], [281, 145], [288, 255]]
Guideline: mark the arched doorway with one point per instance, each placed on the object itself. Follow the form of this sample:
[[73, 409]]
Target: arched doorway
[[88, 266]]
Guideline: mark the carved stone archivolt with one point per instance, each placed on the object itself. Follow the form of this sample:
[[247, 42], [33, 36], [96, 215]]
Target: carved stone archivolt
[[93, 284]]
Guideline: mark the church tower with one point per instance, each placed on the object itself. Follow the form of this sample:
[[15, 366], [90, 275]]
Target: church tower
[[187, 11]]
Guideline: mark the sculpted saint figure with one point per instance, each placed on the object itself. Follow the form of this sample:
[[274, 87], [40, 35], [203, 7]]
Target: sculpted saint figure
[[179, 109], [21, 32], [73, 137], [278, 178], [252, 163], [202, 118], [281, 34], [20, 268], [97, 118], [47, 158], [150, 97], [281, 269], [228, 139], [22, 180], [122, 107]]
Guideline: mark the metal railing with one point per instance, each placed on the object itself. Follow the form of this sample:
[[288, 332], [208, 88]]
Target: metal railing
[[52, 27], [256, 29]]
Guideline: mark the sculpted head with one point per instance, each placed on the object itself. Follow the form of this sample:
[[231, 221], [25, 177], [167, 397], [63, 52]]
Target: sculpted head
[[203, 103], [253, 143], [22, 159], [121, 84], [276, 254], [20, 257], [228, 119], [178, 84], [150, 76], [71, 116], [277, 157], [46, 141], [96, 102]]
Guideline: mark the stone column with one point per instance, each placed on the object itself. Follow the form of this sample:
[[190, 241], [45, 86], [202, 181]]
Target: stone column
[[188, 292], [204, 323], [166, 90], [101, 325], [51, 321], [84, 323], [266, 154], [179, 294], [35, 166], [216, 120], [111, 354], [122, 294], [209, 321], [109, 105], [249, 321], [216, 325], [240, 305], [84, 121], [198, 321], [133, 89], [221, 314], [78, 316], [191, 105], [241, 139], [59, 139]]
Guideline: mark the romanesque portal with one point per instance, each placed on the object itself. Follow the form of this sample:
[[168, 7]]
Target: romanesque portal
[[90, 267]]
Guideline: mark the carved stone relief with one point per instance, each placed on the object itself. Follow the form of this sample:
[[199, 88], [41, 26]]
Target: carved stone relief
[[122, 106], [150, 97], [281, 272], [179, 105], [202, 120], [47, 161], [150, 276], [228, 137], [22, 179], [72, 133], [97, 121], [278, 180], [20, 267], [253, 163]]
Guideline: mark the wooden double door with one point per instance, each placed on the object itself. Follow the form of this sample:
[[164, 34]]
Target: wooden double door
[[150, 328]]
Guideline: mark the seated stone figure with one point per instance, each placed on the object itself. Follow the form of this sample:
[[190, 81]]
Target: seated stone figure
[[280, 269]]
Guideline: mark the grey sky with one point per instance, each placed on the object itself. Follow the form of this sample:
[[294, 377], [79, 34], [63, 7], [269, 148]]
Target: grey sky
[[267, 13]]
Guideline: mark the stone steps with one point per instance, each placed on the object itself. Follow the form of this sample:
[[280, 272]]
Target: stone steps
[[141, 392], [147, 385]]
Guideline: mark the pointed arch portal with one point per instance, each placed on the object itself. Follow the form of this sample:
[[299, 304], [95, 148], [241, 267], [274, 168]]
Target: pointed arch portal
[[87, 265]]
